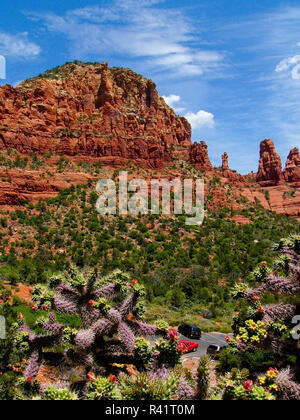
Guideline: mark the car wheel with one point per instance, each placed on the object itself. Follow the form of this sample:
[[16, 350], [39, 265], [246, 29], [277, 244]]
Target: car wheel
[[194, 350]]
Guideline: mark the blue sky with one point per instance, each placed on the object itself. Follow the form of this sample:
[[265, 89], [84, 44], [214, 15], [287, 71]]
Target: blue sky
[[232, 67]]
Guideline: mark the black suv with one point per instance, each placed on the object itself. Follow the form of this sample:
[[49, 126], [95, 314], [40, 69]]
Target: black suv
[[190, 331]]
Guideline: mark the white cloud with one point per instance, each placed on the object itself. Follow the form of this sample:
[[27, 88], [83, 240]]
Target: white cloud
[[18, 46], [201, 119], [296, 72], [292, 65], [160, 37], [171, 100]]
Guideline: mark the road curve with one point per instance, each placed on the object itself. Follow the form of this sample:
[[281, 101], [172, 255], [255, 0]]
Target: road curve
[[207, 340]]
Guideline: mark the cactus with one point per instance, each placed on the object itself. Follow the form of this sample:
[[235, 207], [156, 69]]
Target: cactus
[[185, 391], [284, 278], [203, 378], [288, 389], [110, 328]]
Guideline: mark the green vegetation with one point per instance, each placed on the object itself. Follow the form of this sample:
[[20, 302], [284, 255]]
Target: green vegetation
[[187, 271]]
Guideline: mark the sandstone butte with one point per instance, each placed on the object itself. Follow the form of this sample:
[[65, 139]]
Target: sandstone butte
[[92, 113]]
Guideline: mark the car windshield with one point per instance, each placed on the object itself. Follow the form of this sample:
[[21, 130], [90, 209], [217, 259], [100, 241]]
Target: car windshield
[[213, 348]]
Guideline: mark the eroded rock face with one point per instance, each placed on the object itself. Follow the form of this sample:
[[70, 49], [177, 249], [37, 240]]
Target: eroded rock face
[[199, 156], [270, 166], [92, 110], [292, 168]]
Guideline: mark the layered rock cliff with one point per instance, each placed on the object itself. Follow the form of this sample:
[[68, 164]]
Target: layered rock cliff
[[111, 114]]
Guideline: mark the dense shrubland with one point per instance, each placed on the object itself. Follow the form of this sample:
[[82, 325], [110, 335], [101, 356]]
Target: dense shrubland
[[181, 267]]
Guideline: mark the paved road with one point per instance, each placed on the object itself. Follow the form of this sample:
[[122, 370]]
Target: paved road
[[207, 339]]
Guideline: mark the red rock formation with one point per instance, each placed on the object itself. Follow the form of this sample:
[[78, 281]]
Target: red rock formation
[[230, 175], [292, 168], [17, 185], [91, 114], [199, 156], [111, 114], [225, 165], [270, 166]]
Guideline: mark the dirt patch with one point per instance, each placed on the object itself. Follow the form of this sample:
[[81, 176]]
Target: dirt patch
[[241, 220], [22, 291], [191, 364]]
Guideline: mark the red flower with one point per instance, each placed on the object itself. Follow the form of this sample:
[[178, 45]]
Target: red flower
[[20, 316], [112, 379], [134, 282], [29, 380], [255, 299], [91, 376], [228, 339], [173, 334], [34, 308], [45, 307], [260, 310], [91, 303], [248, 386], [130, 317]]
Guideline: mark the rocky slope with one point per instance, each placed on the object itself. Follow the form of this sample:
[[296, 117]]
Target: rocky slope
[[78, 118]]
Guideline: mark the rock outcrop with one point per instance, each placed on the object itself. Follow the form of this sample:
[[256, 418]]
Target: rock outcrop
[[270, 166], [229, 174], [225, 165], [292, 168], [199, 156], [111, 114]]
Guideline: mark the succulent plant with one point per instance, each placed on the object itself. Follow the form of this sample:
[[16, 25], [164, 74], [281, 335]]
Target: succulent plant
[[109, 331]]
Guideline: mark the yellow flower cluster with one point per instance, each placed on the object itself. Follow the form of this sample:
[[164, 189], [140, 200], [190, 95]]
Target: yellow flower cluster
[[253, 332], [268, 381], [272, 374]]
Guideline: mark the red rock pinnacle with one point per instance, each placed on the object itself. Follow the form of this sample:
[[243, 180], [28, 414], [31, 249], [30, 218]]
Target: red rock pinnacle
[[270, 166]]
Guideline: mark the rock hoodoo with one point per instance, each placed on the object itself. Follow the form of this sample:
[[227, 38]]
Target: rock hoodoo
[[270, 166], [225, 165], [292, 168]]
